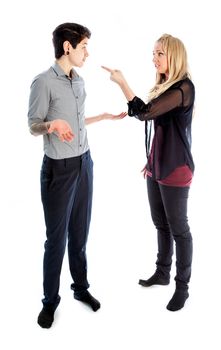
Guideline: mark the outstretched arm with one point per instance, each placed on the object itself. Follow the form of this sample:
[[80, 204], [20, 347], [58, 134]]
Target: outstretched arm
[[180, 95], [104, 116], [117, 76]]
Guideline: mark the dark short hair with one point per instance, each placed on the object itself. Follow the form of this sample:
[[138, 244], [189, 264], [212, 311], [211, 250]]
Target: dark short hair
[[72, 32]]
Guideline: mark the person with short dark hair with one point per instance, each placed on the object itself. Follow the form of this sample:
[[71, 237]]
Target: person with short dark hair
[[56, 111]]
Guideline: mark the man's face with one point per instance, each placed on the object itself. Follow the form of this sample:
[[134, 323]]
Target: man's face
[[78, 55]]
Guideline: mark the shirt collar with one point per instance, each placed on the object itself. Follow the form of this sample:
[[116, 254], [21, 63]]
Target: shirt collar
[[59, 71]]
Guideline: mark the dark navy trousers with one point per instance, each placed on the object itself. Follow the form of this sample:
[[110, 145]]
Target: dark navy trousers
[[168, 207], [66, 192]]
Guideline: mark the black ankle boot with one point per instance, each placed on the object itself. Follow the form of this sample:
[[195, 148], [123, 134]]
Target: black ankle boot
[[178, 300], [156, 279]]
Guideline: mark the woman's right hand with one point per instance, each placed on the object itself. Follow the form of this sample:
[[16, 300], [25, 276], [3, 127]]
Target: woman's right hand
[[115, 75], [62, 129], [144, 171]]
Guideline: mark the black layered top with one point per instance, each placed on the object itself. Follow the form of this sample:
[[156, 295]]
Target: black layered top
[[172, 115]]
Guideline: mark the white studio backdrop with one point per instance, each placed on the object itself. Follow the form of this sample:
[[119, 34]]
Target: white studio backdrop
[[122, 240]]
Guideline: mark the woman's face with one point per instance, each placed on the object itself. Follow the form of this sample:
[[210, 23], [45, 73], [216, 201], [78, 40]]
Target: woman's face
[[160, 59]]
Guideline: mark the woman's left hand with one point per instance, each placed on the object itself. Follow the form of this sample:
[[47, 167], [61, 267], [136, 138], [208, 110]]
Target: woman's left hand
[[144, 171]]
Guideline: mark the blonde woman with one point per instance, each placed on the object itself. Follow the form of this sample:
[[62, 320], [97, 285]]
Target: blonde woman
[[169, 169]]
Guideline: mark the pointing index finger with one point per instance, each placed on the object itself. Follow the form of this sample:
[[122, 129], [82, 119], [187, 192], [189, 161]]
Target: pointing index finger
[[107, 69]]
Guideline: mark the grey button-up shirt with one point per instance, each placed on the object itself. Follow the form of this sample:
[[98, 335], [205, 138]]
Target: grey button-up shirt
[[54, 96]]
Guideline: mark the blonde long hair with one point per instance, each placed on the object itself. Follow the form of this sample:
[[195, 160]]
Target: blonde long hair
[[177, 65]]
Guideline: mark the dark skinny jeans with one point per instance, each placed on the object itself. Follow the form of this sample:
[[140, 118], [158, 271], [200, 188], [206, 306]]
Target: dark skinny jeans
[[168, 207]]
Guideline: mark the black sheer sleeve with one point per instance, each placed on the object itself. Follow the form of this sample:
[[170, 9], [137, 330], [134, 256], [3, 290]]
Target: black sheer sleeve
[[179, 95]]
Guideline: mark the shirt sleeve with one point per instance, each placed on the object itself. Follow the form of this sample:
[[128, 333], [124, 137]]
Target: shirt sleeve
[[39, 100], [159, 106]]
